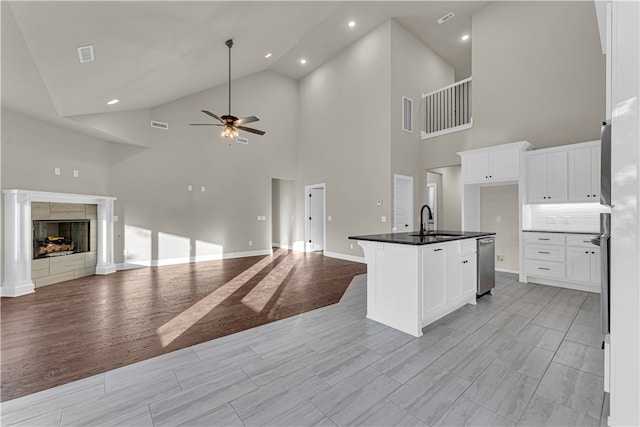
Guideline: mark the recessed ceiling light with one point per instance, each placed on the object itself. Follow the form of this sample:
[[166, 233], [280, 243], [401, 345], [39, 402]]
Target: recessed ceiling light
[[268, 55], [351, 23], [465, 37], [303, 61], [113, 101]]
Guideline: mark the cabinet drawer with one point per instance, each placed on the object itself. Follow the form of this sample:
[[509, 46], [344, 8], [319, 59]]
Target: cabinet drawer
[[545, 252], [553, 270], [460, 248], [544, 238], [583, 240]]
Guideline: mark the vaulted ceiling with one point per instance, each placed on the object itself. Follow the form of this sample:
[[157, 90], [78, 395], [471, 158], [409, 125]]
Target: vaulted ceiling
[[151, 52]]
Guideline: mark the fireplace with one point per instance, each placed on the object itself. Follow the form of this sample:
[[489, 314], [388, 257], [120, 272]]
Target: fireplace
[[60, 238]]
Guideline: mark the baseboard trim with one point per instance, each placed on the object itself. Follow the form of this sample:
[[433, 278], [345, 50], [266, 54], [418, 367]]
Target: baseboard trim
[[561, 284], [345, 257], [508, 270], [185, 260], [281, 246]]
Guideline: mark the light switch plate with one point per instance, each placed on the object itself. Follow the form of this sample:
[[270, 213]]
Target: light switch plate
[[383, 218], [202, 188], [56, 171], [76, 173], [189, 187]]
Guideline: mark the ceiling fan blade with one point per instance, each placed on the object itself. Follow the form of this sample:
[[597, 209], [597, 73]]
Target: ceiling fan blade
[[246, 120], [205, 124], [259, 132], [209, 113]]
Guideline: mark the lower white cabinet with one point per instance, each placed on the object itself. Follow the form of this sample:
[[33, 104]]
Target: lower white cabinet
[[562, 259], [434, 273], [411, 286]]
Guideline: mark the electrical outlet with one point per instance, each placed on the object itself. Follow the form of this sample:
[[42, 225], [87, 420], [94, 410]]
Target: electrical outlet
[[500, 258], [383, 218], [329, 218], [566, 219], [202, 188], [189, 187], [498, 219], [258, 218], [76, 173], [115, 218], [56, 171], [250, 243], [551, 219], [351, 246]]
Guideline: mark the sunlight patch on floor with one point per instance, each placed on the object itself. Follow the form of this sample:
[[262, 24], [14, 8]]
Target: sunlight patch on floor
[[263, 292], [182, 322]]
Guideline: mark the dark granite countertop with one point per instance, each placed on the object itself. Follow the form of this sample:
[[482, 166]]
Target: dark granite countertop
[[412, 238], [561, 232]]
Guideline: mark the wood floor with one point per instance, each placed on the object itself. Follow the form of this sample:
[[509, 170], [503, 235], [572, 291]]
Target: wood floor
[[83, 327]]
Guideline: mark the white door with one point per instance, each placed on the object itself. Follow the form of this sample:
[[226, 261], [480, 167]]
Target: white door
[[316, 218], [402, 203], [432, 201]]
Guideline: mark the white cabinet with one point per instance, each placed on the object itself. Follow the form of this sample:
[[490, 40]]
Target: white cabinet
[[434, 265], [547, 177], [584, 174], [583, 260], [566, 260], [493, 164], [461, 269]]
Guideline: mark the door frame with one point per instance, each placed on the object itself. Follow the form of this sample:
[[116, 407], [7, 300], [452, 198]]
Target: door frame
[[434, 208], [307, 225], [409, 179]]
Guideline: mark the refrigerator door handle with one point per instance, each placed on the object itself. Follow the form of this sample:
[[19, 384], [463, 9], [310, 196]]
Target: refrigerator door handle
[[604, 282]]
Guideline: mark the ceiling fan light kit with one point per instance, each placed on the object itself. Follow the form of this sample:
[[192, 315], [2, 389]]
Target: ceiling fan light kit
[[231, 123]]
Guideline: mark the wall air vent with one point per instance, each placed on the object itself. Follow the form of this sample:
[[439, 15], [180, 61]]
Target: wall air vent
[[159, 125], [241, 140], [446, 17], [85, 53]]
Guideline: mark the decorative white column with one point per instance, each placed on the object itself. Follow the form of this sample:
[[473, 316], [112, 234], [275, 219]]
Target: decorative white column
[[17, 245], [105, 237], [18, 251]]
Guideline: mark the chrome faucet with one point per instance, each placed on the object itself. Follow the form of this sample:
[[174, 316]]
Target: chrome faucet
[[422, 230]]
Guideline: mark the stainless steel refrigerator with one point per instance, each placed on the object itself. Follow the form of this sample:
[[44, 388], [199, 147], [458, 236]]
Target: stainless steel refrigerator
[[603, 240]]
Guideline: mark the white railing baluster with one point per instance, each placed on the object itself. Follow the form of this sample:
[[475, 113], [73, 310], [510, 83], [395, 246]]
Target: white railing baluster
[[447, 109]]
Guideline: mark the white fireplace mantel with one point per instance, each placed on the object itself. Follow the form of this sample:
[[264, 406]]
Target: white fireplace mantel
[[17, 250]]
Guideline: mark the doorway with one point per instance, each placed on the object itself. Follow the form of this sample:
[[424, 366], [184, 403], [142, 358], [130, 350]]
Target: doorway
[[402, 203], [432, 201], [315, 214]]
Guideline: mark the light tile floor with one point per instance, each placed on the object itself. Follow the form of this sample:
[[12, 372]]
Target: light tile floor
[[528, 355]]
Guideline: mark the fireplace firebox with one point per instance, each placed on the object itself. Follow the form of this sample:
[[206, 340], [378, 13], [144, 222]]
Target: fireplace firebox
[[58, 238]]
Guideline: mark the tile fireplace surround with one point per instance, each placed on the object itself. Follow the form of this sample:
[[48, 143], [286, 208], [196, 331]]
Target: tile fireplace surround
[[17, 250]]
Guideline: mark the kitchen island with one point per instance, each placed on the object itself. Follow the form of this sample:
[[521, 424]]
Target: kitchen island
[[414, 280]]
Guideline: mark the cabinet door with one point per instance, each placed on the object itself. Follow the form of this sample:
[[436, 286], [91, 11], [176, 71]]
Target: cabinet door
[[468, 273], [557, 177], [504, 165], [537, 178], [595, 266], [476, 167], [595, 174], [580, 181], [454, 283], [434, 265], [579, 264]]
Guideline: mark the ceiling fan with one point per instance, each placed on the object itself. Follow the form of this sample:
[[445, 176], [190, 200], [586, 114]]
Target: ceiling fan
[[231, 123]]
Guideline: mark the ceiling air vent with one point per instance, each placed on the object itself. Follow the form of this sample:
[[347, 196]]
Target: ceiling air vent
[[85, 53], [446, 17], [159, 125], [241, 140]]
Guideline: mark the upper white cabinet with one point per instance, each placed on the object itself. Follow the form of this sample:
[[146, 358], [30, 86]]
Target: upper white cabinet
[[493, 164], [569, 173], [584, 174], [547, 177]]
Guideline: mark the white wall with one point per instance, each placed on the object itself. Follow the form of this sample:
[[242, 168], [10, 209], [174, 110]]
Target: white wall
[[502, 201], [415, 69], [151, 183], [32, 149], [344, 139], [283, 212], [538, 75], [625, 216]]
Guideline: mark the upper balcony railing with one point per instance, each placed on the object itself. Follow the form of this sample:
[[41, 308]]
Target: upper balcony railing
[[447, 109]]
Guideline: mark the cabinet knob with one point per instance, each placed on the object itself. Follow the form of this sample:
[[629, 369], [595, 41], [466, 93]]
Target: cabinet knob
[[588, 195], [586, 252], [594, 195]]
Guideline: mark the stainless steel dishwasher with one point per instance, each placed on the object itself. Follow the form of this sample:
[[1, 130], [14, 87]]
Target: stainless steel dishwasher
[[486, 265]]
